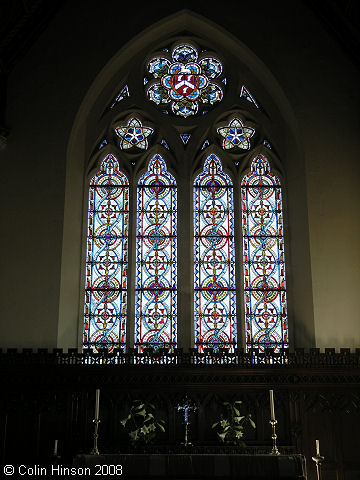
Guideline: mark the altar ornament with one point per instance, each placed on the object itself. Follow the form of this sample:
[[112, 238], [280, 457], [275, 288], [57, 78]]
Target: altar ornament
[[96, 421], [318, 459], [230, 428], [186, 407], [273, 423], [148, 425]]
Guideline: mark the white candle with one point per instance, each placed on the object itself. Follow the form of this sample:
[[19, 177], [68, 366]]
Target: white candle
[[272, 410], [317, 443], [97, 404], [55, 448]]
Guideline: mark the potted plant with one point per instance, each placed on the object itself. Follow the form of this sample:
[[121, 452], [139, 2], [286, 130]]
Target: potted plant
[[142, 423], [230, 428]]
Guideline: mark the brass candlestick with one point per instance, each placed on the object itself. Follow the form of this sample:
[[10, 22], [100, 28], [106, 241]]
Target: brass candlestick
[[274, 450], [95, 450], [318, 459]]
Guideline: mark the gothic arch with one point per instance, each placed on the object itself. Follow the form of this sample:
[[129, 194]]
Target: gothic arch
[[278, 122]]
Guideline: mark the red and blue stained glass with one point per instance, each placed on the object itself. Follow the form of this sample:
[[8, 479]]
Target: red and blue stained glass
[[264, 258], [214, 259], [185, 80], [236, 134], [106, 258], [156, 269]]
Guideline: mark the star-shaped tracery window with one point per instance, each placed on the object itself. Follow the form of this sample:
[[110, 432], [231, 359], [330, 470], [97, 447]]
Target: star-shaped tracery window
[[236, 135], [134, 134]]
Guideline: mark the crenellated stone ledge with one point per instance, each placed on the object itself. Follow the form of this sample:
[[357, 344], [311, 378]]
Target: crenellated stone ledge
[[299, 357]]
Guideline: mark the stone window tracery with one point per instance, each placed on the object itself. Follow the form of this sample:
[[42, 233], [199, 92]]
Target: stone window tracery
[[160, 144]]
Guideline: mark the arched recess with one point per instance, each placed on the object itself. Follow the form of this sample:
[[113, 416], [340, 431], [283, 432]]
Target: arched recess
[[278, 122]]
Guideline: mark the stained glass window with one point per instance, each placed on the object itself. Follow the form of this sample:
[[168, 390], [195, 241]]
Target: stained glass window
[[214, 259], [102, 144], [124, 93], [263, 258], [106, 258], [236, 135], [184, 80], [267, 144], [185, 137], [156, 270], [246, 94], [134, 134]]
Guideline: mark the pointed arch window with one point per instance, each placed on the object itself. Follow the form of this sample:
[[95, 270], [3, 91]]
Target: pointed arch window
[[214, 259], [106, 258], [156, 269], [263, 258], [183, 83]]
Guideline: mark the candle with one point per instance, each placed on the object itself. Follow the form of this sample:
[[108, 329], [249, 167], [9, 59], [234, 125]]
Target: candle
[[55, 448], [272, 410], [97, 403], [317, 443]]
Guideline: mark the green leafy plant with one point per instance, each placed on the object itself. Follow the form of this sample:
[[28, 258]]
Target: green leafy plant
[[143, 424], [230, 428]]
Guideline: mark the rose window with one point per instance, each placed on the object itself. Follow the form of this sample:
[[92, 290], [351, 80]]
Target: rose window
[[184, 81]]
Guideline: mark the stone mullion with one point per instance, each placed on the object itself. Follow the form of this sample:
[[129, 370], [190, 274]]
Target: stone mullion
[[239, 274], [130, 327], [185, 255]]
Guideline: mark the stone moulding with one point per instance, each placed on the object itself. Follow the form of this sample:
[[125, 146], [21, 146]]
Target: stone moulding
[[299, 357]]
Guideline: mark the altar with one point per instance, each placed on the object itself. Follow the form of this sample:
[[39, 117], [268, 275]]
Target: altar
[[195, 466]]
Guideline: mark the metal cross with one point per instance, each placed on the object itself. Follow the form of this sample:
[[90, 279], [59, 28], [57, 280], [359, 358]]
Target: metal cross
[[186, 407]]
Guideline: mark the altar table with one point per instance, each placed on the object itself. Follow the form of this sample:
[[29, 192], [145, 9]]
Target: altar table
[[195, 466]]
